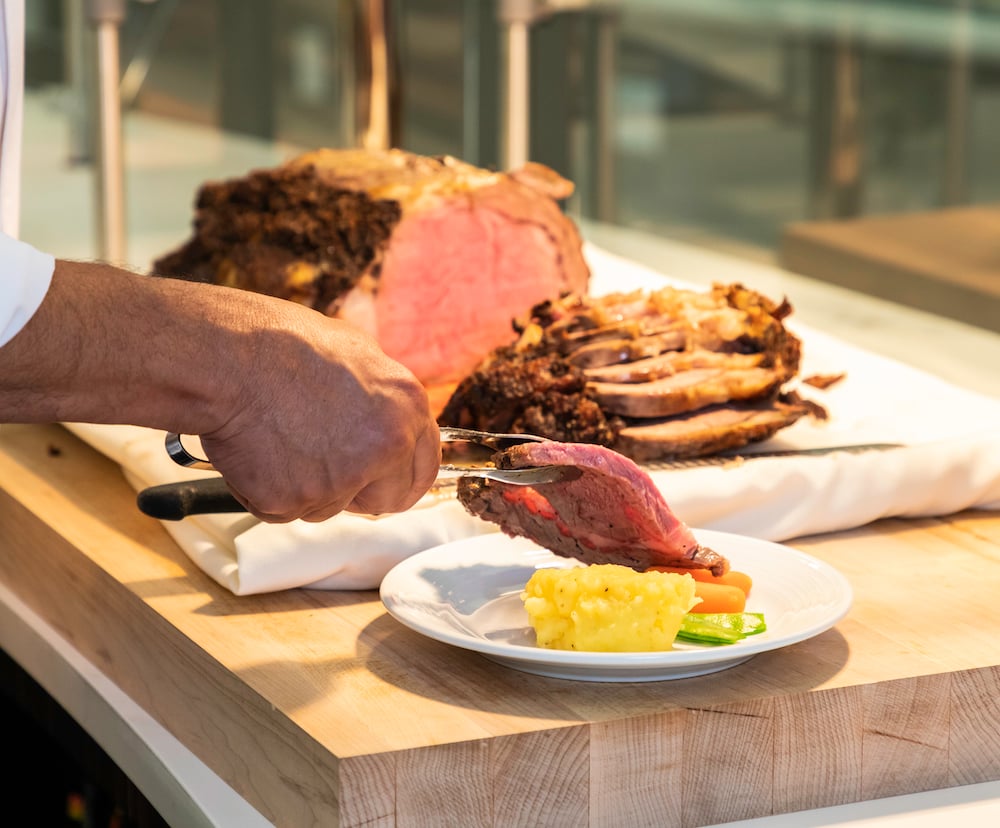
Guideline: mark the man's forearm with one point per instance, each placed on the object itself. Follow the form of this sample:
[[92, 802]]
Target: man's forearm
[[106, 346], [303, 415]]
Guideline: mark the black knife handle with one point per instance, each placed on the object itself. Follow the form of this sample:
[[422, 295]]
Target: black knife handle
[[175, 501]]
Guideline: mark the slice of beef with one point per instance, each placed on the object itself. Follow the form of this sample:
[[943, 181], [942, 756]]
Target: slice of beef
[[708, 431], [668, 364], [577, 312], [728, 318], [685, 391], [432, 256], [623, 350], [611, 513]]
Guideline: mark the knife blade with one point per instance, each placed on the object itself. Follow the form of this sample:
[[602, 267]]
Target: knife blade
[[210, 495], [738, 458]]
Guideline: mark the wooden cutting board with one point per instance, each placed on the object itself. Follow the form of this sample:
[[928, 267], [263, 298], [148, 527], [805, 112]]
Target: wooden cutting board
[[319, 708], [943, 261]]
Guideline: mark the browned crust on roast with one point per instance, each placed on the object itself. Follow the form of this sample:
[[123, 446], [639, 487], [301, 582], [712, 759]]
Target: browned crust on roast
[[529, 392], [276, 232], [310, 229], [823, 380]]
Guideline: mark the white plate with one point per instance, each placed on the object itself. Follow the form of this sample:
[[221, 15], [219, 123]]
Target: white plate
[[467, 593]]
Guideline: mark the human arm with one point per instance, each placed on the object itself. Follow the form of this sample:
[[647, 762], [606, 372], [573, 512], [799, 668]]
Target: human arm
[[303, 415]]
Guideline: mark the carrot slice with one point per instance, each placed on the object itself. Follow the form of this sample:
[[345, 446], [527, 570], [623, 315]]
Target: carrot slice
[[718, 598], [731, 578]]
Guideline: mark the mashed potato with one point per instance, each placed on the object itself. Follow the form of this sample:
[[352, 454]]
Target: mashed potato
[[607, 608]]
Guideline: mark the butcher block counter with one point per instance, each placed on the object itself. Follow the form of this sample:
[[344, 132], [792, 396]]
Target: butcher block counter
[[320, 709], [945, 261]]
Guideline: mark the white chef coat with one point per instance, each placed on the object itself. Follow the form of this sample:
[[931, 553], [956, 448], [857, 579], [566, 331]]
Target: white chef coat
[[25, 273]]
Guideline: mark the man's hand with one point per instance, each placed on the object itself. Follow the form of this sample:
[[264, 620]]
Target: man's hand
[[324, 422], [303, 415]]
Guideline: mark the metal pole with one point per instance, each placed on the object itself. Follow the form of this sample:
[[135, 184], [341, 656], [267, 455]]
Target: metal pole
[[471, 78], [377, 134], [107, 16], [518, 96], [517, 16]]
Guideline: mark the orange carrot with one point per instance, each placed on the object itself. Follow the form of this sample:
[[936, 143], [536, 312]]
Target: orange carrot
[[718, 598], [731, 578]]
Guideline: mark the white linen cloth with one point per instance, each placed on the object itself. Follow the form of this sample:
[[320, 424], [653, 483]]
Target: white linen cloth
[[951, 462], [26, 277]]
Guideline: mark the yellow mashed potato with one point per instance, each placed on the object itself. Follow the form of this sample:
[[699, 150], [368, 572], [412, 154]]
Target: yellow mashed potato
[[607, 608]]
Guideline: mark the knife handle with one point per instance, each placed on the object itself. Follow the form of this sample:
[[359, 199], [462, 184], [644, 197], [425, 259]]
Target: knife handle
[[175, 501]]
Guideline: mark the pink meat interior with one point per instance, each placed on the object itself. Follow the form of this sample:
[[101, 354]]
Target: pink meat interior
[[452, 281]]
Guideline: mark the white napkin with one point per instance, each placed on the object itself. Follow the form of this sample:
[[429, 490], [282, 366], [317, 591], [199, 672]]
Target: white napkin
[[951, 462]]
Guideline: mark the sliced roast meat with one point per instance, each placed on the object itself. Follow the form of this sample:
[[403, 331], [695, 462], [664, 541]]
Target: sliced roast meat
[[724, 354], [686, 391], [567, 342], [432, 256], [575, 312], [708, 431], [611, 513], [670, 363], [623, 327], [622, 350]]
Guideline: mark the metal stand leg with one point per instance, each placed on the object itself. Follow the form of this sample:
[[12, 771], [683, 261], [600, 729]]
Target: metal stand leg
[[377, 134], [107, 16], [517, 16], [375, 79]]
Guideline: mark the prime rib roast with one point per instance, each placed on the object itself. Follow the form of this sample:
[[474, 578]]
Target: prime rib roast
[[432, 256], [611, 513], [667, 373], [436, 257]]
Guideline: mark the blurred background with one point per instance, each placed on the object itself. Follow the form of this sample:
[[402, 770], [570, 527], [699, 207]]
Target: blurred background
[[720, 123]]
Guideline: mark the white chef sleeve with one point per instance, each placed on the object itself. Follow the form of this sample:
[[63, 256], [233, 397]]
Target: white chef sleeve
[[25, 276]]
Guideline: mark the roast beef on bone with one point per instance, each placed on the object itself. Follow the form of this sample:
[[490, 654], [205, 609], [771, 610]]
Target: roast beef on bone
[[432, 256], [435, 257]]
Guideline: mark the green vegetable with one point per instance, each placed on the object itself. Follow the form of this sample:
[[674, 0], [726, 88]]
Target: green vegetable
[[720, 627]]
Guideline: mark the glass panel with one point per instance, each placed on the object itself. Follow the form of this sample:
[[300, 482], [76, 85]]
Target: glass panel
[[719, 122]]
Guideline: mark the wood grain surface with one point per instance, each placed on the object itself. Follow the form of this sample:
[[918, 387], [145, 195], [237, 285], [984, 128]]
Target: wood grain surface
[[943, 261], [320, 709]]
